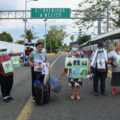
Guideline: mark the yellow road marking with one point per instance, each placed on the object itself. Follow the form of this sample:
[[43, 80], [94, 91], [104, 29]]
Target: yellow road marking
[[29, 106], [26, 111], [48, 54]]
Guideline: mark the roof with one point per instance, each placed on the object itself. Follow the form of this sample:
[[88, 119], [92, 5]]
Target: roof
[[107, 36], [29, 44]]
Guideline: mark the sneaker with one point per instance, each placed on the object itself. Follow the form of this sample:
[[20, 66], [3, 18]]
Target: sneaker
[[114, 91], [95, 93], [104, 93], [6, 100], [33, 99], [10, 98]]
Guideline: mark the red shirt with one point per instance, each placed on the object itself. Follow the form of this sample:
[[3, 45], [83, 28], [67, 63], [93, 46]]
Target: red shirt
[[4, 58], [27, 52]]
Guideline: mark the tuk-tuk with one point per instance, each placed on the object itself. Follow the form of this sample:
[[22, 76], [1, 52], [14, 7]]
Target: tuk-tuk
[[29, 47]]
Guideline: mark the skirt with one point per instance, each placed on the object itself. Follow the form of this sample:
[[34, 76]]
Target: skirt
[[75, 82], [115, 81]]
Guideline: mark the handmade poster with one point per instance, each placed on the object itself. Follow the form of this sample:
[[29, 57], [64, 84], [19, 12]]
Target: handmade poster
[[75, 73], [83, 72], [101, 64], [45, 68], [118, 59], [84, 62], [15, 61], [76, 63], [38, 67], [68, 62], [7, 66]]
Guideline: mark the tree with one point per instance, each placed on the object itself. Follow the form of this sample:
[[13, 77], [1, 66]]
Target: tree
[[90, 13], [72, 37], [83, 38], [6, 37], [29, 35], [40, 40], [55, 37], [19, 42]]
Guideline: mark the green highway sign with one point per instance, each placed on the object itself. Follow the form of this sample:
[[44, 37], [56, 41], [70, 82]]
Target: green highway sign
[[50, 13]]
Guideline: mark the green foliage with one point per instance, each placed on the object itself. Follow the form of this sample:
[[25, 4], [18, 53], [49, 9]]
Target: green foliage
[[6, 37], [82, 39], [72, 37], [29, 35], [40, 40], [89, 14], [55, 37], [19, 42]]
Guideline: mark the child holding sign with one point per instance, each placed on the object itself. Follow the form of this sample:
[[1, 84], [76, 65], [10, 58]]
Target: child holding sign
[[73, 74], [6, 74]]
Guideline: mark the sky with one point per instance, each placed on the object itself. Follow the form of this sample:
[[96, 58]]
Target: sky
[[16, 27]]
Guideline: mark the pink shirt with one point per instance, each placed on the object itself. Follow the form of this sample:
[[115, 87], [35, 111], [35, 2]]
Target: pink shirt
[[4, 58]]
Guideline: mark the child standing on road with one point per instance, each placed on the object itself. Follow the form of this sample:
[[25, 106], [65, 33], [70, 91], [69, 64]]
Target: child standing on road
[[74, 83]]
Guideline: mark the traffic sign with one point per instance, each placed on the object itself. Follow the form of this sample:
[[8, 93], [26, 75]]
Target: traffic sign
[[50, 13]]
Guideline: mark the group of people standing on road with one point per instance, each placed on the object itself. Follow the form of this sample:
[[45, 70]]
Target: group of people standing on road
[[98, 67]]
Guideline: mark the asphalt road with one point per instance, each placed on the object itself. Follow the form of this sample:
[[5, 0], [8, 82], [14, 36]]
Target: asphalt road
[[21, 92], [61, 107]]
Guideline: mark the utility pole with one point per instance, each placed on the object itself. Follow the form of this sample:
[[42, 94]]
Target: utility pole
[[45, 34], [107, 23], [99, 21], [107, 15]]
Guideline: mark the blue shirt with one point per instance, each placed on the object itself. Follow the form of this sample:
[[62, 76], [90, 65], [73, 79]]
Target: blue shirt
[[38, 56]]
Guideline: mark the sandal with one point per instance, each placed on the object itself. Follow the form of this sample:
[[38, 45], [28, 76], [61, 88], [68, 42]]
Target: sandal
[[72, 97], [78, 97]]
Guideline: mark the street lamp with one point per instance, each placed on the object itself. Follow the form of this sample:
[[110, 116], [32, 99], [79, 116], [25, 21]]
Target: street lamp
[[25, 20], [45, 33]]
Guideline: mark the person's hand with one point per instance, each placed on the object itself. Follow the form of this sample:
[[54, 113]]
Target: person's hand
[[107, 62], [115, 65], [89, 71], [31, 64]]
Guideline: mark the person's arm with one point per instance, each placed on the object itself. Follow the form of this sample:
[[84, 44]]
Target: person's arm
[[110, 59], [30, 58], [112, 63], [63, 73]]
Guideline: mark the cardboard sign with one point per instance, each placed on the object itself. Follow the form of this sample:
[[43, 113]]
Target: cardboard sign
[[45, 68], [76, 63], [38, 67], [15, 61], [75, 73], [83, 72], [101, 64], [69, 62], [118, 59], [7, 66], [84, 62]]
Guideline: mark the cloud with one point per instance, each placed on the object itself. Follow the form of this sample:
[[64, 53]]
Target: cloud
[[14, 26]]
